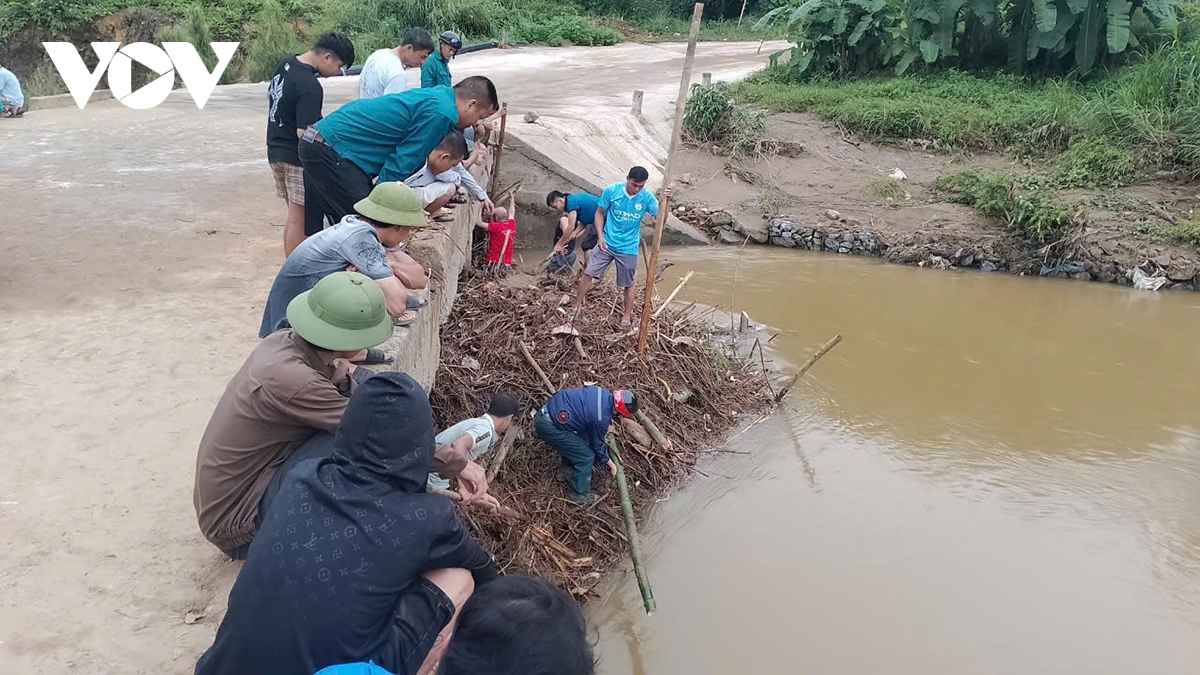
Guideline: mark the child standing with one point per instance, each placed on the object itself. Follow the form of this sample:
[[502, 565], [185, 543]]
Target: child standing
[[502, 233]]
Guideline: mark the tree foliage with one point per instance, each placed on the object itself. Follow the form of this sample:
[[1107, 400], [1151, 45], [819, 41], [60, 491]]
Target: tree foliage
[[1048, 36]]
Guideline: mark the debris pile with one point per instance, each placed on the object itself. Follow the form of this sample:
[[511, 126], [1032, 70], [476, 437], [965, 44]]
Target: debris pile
[[688, 386]]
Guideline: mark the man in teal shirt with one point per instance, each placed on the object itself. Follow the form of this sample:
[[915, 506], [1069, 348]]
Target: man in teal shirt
[[387, 138], [436, 71], [618, 232]]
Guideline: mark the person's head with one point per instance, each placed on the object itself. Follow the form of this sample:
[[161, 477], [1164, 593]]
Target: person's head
[[499, 214], [476, 99], [518, 624], [333, 51], [557, 200], [395, 210], [386, 434], [344, 313], [503, 408], [636, 180], [416, 46], [449, 43], [625, 402], [448, 153]]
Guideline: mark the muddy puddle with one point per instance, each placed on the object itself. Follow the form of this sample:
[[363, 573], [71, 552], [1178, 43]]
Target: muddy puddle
[[989, 475]]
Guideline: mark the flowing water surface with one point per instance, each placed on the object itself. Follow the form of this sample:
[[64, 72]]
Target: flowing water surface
[[990, 474]]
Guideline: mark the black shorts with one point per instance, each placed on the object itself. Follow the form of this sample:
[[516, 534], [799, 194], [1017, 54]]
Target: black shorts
[[422, 611], [589, 240], [332, 186]]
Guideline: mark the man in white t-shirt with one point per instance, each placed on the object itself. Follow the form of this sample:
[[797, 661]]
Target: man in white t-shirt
[[477, 435], [383, 73]]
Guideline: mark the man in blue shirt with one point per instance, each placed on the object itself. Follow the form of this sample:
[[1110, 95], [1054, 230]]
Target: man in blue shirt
[[12, 100], [619, 215], [387, 138], [575, 423], [436, 70], [577, 222]]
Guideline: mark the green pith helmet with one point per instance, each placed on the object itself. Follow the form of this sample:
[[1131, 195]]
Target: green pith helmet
[[393, 203], [344, 312]]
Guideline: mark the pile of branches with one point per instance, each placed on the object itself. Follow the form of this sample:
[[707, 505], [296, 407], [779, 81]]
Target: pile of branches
[[688, 386]]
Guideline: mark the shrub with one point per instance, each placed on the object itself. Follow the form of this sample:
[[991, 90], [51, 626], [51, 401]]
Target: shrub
[[568, 29], [711, 116], [1031, 211], [272, 39], [194, 29], [1186, 232]]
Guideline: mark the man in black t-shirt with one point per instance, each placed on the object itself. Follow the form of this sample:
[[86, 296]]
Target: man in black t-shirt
[[295, 98]]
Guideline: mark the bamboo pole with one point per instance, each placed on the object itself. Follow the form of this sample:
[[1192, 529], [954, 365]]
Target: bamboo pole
[[510, 437], [675, 292], [653, 429], [668, 174], [635, 545], [538, 369], [455, 497], [499, 146], [833, 342]]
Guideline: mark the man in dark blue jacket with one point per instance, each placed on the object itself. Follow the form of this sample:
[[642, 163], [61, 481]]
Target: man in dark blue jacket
[[575, 422]]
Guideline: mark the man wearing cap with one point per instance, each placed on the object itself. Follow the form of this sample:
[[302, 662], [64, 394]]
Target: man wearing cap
[[575, 423], [436, 70], [385, 220], [295, 383]]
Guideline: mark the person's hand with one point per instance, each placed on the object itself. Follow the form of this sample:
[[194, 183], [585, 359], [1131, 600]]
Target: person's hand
[[351, 268], [488, 206], [612, 468], [560, 249], [489, 503], [472, 483], [601, 244]]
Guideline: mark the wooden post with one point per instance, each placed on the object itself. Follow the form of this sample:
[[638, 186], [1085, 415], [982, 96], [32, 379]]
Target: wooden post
[[668, 174], [744, 323], [504, 39], [510, 437], [637, 101], [635, 546], [833, 342], [706, 79], [499, 147], [743, 13]]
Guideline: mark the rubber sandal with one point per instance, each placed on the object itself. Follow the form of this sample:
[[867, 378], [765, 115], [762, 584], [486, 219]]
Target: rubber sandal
[[406, 320], [375, 357], [626, 325], [415, 303]]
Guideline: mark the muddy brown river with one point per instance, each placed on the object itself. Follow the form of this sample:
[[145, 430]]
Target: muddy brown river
[[990, 474]]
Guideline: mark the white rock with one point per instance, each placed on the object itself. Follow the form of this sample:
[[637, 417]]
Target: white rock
[[897, 174]]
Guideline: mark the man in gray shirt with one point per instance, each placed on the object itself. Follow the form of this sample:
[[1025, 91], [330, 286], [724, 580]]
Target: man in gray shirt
[[386, 219]]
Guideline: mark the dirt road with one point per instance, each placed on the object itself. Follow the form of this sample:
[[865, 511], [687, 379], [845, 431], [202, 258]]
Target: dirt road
[[144, 243]]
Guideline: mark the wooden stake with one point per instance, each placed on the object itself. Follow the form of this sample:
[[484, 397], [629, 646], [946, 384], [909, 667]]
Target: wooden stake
[[744, 323], [635, 545], [499, 146], [455, 497], [510, 437], [675, 292], [833, 342], [541, 373], [766, 375], [668, 174], [706, 79], [743, 13], [638, 94]]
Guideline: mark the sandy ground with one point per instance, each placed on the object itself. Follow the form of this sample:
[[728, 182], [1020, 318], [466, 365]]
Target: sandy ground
[[145, 242]]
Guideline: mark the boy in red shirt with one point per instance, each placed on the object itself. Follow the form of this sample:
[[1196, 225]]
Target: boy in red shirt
[[502, 233]]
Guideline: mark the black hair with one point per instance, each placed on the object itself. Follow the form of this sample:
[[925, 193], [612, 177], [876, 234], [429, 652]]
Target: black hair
[[518, 624], [419, 39], [337, 44], [503, 404], [479, 88], [554, 194], [455, 144], [639, 174]]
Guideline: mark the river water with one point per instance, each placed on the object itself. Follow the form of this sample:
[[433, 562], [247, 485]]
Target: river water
[[990, 474]]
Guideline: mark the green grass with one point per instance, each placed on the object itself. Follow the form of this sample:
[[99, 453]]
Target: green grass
[[44, 81], [712, 117], [1031, 211], [675, 29], [1186, 232], [886, 187]]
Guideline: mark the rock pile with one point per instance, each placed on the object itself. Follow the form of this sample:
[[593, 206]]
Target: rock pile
[[789, 234]]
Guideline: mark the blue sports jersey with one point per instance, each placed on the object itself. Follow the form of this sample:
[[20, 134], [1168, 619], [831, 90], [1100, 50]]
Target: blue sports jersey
[[623, 217]]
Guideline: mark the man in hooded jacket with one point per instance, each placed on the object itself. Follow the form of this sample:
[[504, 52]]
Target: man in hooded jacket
[[354, 560]]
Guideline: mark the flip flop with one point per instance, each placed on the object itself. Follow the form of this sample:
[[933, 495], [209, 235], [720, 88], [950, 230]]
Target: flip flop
[[408, 318], [375, 357], [626, 325], [414, 302]]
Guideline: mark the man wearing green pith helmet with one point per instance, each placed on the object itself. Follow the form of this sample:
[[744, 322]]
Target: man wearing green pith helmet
[[296, 382]]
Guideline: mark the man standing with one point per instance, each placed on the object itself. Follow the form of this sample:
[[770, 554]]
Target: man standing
[[383, 73], [295, 383], [295, 98], [575, 423], [476, 437], [436, 71], [386, 139], [12, 99], [619, 217], [578, 223]]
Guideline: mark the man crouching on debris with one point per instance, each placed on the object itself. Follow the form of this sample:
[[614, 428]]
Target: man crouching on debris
[[575, 423]]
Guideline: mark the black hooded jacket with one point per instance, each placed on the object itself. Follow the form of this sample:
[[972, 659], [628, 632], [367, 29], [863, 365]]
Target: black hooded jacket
[[342, 540]]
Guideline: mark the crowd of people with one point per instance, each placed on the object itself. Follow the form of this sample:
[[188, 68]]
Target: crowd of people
[[326, 477]]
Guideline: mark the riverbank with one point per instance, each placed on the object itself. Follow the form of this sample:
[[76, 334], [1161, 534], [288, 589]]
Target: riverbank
[[848, 195]]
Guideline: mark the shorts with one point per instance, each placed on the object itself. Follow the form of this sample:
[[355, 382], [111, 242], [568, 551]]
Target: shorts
[[589, 240], [422, 611], [289, 182], [434, 191], [626, 266]]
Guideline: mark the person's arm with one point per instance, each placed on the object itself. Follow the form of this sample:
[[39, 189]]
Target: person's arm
[[512, 205], [308, 106], [428, 78], [426, 129], [458, 549], [652, 207], [472, 185], [397, 83], [600, 243], [363, 251], [395, 295], [568, 233], [319, 404]]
